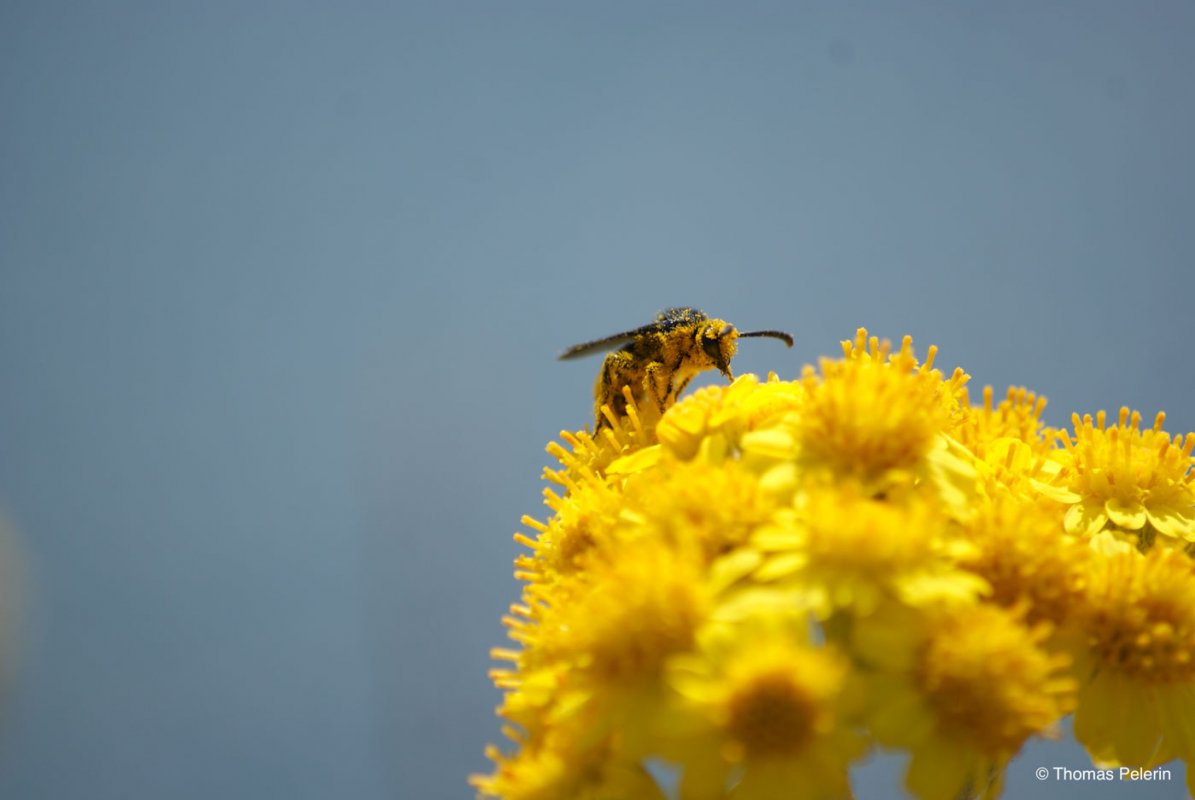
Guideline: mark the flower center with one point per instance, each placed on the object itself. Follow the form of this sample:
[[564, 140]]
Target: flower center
[[1141, 617], [989, 682], [772, 715]]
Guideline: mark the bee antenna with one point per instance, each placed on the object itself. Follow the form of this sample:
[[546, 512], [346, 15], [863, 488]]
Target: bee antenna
[[781, 335]]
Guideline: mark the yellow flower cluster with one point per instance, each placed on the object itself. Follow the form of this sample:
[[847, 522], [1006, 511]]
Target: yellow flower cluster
[[747, 596]]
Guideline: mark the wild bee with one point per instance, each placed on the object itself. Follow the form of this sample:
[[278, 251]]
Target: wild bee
[[659, 359]]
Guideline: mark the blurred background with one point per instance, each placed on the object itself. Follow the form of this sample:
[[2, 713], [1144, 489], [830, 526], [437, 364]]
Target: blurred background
[[282, 287]]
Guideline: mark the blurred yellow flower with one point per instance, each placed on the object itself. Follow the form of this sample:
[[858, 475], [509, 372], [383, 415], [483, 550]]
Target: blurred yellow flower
[[1018, 549], [1136, 658], [851, 552], [764, 712], [560, 769], [961, 687]]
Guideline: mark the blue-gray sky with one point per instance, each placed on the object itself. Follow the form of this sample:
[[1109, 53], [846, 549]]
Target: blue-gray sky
[[282, 286]]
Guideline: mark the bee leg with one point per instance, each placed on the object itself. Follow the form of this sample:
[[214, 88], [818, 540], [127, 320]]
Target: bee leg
[[608, 390], [658, 385], [603, 392], [677, 391]]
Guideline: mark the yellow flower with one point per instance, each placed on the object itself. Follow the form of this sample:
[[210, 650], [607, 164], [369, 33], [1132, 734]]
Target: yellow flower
[[1011, 447], [849, 552], [1017, 416], [724, 414], [876, 411], [588, 456], [562, 767], [594, 647], [1136, 659], [715, 506], [1140, 481], [619, 620], [962, 688], [585, 517], [586, 513], [881, 419], [1020, 550], [763, 711]]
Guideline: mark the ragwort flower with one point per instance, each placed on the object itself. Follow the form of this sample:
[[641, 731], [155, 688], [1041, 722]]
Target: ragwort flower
[[962, 688], [1135, 657], [763, 712], [1140, 481], [881, 419], [849, 552]]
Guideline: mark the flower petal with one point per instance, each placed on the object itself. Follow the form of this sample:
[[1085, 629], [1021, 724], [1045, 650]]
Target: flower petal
[[1117, 721], [774, 443], [635, 462], [940, 773], [1058, 493], [1084, 519], [1178, 721], [1171, 521], [1129, 516]]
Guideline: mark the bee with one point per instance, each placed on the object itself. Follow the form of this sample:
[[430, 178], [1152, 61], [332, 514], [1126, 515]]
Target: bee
[[659, 359]]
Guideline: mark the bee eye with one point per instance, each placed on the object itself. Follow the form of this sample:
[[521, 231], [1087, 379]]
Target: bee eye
[[710, 345]]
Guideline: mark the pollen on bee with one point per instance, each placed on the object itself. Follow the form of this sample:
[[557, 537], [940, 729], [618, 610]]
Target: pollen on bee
[[655, 363]]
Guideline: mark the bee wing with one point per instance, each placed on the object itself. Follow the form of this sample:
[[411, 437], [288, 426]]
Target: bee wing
[[598, 345]]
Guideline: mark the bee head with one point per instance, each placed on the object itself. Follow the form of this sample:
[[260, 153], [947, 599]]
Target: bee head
[[719, 341]]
